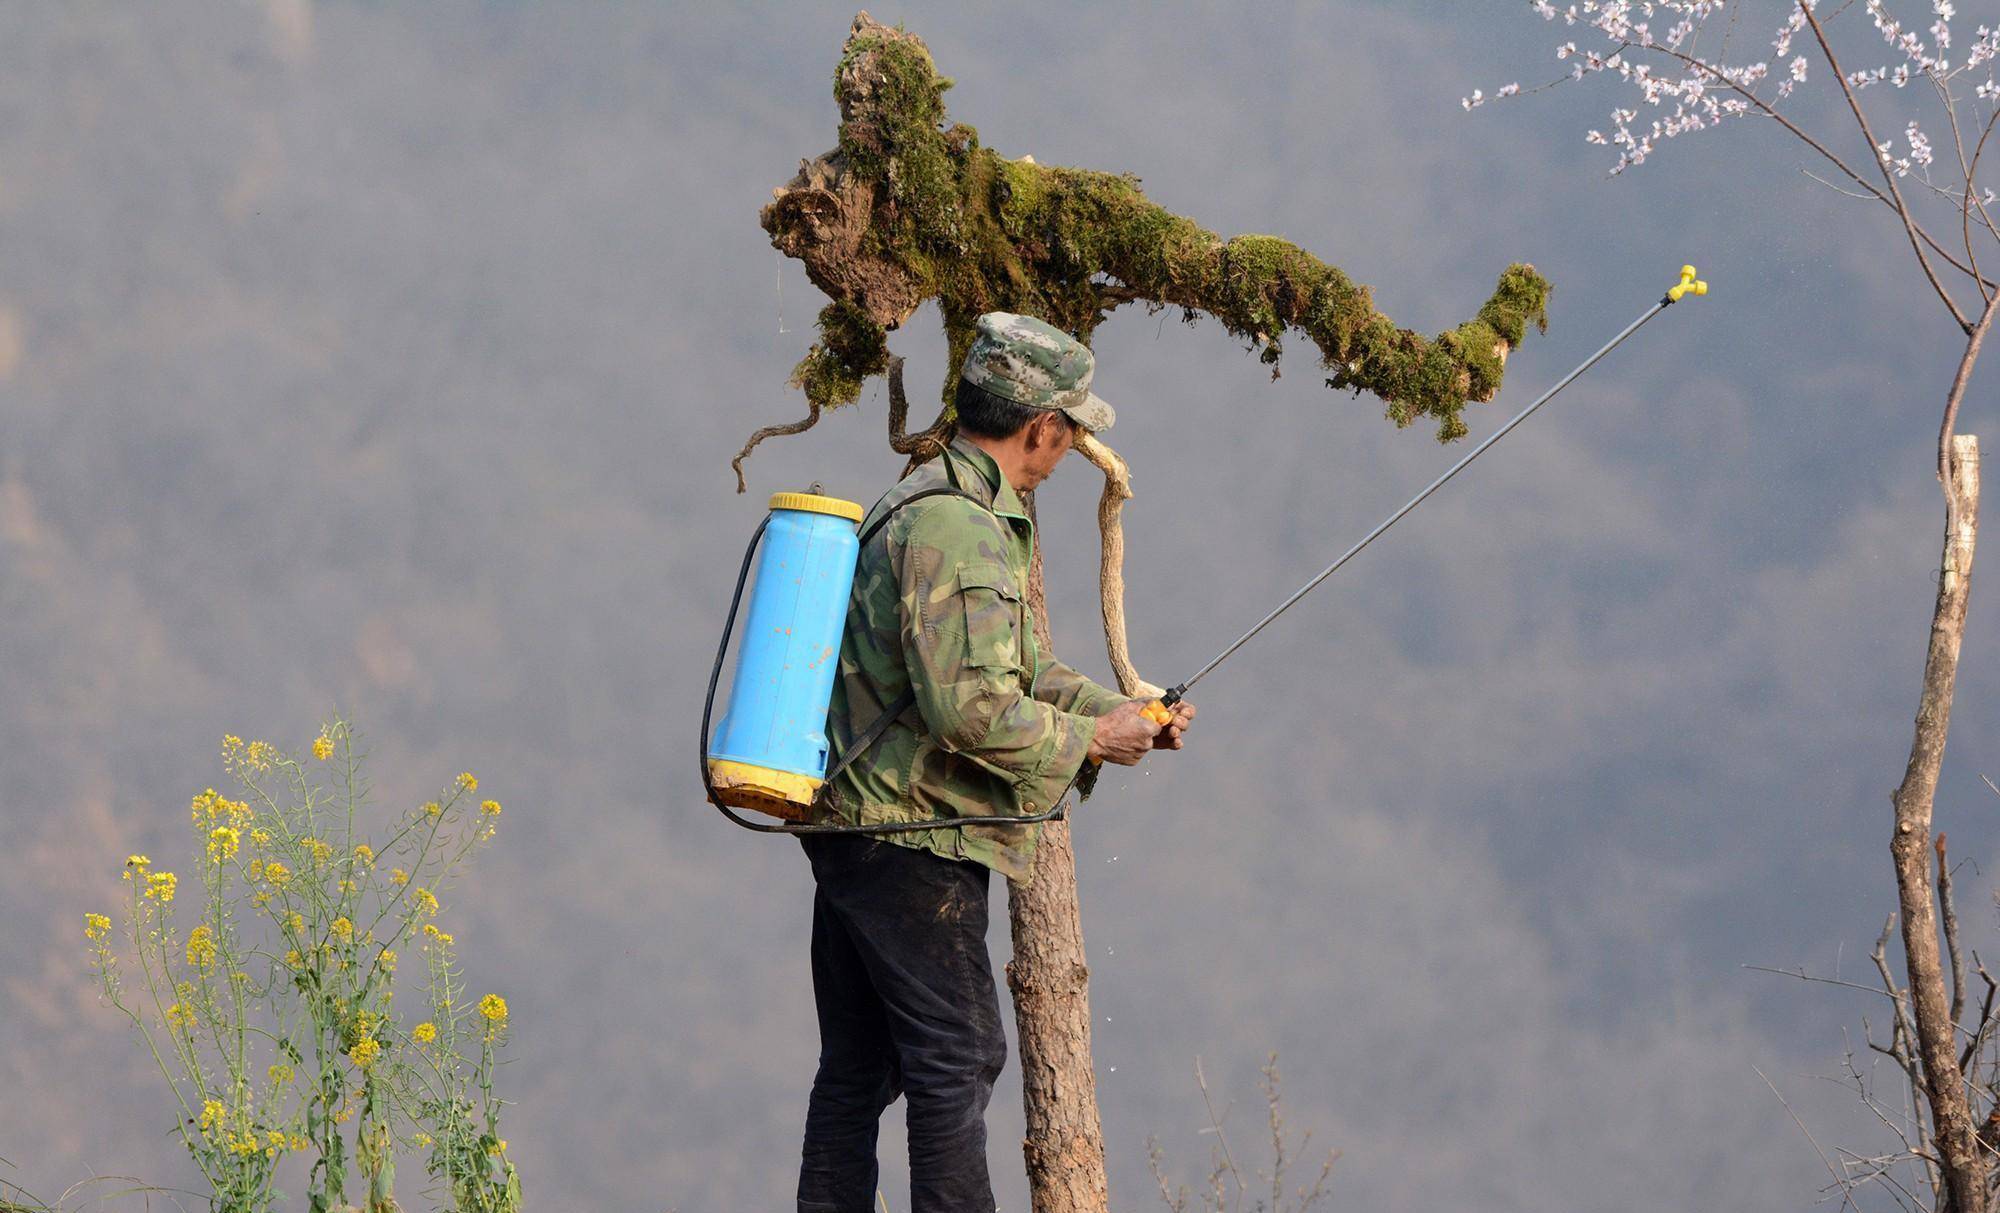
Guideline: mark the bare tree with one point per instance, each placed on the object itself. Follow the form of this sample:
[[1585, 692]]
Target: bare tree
[[1654, 50], [909, 207]]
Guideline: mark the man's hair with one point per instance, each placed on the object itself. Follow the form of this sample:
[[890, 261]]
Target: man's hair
[[986, 415]]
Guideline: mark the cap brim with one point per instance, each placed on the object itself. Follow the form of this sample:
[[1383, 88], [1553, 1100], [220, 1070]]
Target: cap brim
[[1093, 414]]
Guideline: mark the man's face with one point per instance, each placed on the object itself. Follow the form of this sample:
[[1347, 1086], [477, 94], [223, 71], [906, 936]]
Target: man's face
[[1050, 437]]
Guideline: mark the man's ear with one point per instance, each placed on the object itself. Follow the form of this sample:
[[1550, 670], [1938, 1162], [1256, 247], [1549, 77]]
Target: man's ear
[[1043, 430]]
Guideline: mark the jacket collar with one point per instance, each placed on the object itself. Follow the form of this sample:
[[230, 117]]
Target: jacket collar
[[989, 483]]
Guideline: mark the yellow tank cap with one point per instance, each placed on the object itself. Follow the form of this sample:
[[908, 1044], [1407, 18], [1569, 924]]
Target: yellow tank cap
[[814, 503]]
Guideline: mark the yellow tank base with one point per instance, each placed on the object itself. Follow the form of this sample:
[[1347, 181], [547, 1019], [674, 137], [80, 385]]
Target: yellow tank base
[[785, 795]]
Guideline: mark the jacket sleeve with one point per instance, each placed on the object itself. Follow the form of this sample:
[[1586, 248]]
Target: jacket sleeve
[[961, 620], [1065, 688]]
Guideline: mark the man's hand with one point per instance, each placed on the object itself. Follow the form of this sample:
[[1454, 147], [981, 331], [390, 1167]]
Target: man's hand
[[1169, 736], [1124, 735]]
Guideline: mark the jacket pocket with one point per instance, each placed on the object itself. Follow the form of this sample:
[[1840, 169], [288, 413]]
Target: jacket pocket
[[990, 601]]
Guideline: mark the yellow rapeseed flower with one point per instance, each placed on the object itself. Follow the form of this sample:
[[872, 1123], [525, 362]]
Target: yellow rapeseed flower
[[342, 929], [398, 877], [498, 1147], [493, 1007], [212, 1113], [442, 937], [490, 807], [421, 1140], [432, 808], [222, 843], [424, 1033], [425, 901], [258, 754], [295, 922], [161, 886], [364, 1052], [467, 782], [179, 1016], [136, 863], [388, 961], [293, 959], [96, 926], [277, 873], [260, 838], [201, 947], [323, 747], [231, 743], [365, 854], [296, 1142], [321, 851], [279, 1074]]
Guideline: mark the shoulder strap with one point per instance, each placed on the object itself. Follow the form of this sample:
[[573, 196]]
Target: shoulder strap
[[938, 491], [904, 702]]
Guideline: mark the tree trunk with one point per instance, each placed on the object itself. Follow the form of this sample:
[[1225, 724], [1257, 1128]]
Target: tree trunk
[[1051, 988], [1956, 1135]]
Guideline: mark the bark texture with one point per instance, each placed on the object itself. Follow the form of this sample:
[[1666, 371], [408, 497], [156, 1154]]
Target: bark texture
[[1956, 1134], [1051, 988]]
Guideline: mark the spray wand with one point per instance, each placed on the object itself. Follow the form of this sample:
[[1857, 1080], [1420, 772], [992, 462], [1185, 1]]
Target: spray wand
[[1160, 710]]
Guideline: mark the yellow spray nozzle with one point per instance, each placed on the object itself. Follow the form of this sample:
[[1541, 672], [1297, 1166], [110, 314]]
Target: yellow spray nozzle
[[1689, 285], [1158, 713]]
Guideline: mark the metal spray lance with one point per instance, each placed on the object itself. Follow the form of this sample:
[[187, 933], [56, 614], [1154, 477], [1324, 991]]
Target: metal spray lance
[[1159, 711]]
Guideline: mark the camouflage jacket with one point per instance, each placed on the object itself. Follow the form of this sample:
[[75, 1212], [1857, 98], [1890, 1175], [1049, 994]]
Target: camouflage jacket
[[940, 607]]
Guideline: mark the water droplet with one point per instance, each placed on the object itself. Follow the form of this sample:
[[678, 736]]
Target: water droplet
[[1114, 1069]]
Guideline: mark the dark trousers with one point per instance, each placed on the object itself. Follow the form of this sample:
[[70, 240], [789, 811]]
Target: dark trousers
[[906, 1007]]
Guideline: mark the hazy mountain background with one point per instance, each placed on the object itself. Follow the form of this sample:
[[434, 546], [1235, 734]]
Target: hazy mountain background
[[388, 358]]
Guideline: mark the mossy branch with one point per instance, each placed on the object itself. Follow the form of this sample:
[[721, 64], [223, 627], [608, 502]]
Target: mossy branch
[[909, 207]]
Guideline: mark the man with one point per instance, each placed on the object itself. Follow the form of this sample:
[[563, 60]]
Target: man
[[904, 989]]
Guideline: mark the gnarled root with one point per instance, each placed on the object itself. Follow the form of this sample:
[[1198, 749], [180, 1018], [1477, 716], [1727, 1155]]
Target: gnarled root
[[773, 431], [1111, 561], [923, 445]]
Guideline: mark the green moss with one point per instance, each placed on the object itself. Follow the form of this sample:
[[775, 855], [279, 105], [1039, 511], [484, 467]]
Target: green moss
[[979, 232], [1521, 298], [850, 348], [907, 94]]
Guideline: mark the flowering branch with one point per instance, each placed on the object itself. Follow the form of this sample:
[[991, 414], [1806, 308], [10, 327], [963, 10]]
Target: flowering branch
[[1919, 147], [1703, 92]]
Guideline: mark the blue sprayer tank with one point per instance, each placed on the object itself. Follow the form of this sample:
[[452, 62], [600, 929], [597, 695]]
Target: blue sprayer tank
[[770, 752]]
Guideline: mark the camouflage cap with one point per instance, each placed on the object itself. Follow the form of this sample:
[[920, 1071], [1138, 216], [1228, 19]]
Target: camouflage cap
[[1027, 361]]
